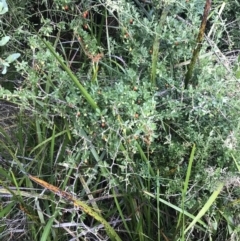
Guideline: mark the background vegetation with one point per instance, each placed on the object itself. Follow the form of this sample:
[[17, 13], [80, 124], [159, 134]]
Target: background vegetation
[[96, 106]]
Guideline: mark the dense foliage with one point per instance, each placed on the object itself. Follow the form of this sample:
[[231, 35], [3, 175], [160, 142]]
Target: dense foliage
[[103, 114]]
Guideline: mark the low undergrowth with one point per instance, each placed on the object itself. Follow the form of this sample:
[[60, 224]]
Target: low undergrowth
[[105, 125]]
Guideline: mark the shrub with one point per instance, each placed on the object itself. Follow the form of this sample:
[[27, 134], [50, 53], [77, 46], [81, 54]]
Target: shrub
[[129, 121]]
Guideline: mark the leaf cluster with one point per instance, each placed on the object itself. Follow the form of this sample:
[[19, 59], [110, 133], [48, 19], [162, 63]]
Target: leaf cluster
[[103, 89]]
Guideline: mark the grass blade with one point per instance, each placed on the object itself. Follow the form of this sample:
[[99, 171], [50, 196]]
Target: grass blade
[[205, 207], [182, 218], [48, 227], [72, 76], [82, 205], [238, 167], [176, 208]]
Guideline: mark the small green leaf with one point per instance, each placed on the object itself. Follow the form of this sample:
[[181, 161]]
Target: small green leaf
[[4, 69], [4, 63], [237, 74], [3, 7], [4, 40], [12, 57]]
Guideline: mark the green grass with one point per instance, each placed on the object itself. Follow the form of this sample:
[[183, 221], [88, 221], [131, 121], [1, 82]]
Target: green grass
[[99, 151]]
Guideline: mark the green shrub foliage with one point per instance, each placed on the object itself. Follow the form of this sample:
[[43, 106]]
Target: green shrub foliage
[[109, 46]]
